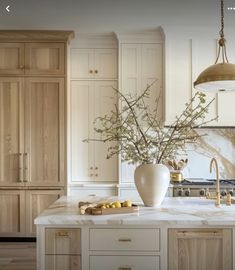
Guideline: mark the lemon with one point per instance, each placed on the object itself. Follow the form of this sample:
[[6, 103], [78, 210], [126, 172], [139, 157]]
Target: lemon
[[127, 204], [117, 204]]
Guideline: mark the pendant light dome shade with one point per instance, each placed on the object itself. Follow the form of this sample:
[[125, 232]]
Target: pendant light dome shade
[[217, 77], [220, 76]]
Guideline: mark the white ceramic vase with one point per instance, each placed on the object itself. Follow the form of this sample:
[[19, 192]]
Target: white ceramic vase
[[152, 182]]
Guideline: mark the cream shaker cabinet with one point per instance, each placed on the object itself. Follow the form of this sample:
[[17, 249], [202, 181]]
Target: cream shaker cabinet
[[193, 249], [90, 99], [33, 75], [94, 63]]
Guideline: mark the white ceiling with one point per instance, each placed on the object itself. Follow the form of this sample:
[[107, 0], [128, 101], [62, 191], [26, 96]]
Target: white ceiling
[[182, 17]]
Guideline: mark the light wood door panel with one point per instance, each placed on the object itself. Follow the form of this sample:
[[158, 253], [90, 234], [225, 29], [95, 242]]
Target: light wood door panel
[[63, 241], [62, 262], [44, 126], [44, 58], [105, 63], [81, 110], [200, 249], [36, 202], [105, 99], [12, 214], [11, 131], [12, 58], [82, 63]]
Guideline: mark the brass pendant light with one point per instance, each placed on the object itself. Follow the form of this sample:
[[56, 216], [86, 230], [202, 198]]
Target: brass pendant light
[[220, 76]]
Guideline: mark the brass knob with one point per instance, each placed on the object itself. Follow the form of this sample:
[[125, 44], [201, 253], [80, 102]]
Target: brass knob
[[96, 71], [96, 174], [91, 168], [96, 168], [91, 174], [91, 71], [21, 66]]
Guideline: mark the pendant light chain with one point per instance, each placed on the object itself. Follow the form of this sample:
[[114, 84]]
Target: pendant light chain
[[222, 46]]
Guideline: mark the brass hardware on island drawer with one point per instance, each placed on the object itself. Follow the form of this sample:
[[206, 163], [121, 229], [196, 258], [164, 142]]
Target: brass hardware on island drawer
[[125, 268], [62, 234], [124, 240], [91, 71], [96, 71]]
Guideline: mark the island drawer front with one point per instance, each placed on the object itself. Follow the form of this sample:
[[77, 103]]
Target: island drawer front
[[125, 239], [62, 262], [63, 241], [124, 263]]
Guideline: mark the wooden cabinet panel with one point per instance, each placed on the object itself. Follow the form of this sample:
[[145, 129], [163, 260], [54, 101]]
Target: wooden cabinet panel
[[63, 241], [105, 66], [11, 132], [12, 58], [62, 262], [44, 126], [124, 262], [12, 214], [44, 58], [88, 101], [94, 63], [36, 202], [193, 249]]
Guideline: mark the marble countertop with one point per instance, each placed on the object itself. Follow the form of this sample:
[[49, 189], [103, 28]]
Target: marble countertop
[[173, 211]]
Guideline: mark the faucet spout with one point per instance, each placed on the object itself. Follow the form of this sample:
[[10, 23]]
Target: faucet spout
[[215, 163]]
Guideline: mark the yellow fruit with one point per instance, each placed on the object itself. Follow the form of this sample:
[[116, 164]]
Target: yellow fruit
[[113, 206], [127, 204], [103, 206], [107, 206], [117, 204]]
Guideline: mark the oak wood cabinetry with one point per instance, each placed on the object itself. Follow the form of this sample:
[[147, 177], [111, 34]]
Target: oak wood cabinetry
[[63, 249], [193, 249], [32, 119]]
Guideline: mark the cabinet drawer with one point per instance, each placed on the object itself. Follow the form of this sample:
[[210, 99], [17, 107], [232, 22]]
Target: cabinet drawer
[[62, 262], [63, 241], [125, 239], [124, 263]]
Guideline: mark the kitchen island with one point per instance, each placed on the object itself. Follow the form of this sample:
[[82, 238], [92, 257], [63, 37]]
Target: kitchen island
[[183, 233]]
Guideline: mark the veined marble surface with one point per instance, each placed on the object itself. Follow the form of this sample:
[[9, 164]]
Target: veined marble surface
[[173, 211]]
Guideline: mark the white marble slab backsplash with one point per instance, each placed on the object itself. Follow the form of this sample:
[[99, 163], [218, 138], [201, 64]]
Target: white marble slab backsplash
[[219, 143]]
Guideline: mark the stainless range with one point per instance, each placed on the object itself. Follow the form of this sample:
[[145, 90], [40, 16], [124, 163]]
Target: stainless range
[[199, 187]]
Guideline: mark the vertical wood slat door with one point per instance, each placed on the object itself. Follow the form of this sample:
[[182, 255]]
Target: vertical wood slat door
[[200, 249], [11, 131], [36, 202], [44, 132], [62, 262], [12, 214], [44, 58], [12, 58]]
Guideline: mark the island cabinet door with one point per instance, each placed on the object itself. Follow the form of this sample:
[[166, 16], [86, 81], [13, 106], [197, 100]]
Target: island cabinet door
[[63, 241], [62, 262], [193, 249]]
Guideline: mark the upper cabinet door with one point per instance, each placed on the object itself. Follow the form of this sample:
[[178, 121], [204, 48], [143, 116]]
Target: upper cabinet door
[[94, 63], [82, 63], [44, 58], [44, 163], [11, 133], [12, 58], [105, 63]]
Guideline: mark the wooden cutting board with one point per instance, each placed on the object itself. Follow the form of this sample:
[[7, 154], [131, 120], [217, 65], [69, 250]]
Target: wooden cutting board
[[109, 211]]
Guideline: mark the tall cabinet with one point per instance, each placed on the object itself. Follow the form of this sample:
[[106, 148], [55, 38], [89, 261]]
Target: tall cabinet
[[141, 63], [94, 74], [33, 80]]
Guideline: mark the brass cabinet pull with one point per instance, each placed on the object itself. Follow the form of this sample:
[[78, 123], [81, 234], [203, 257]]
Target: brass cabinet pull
[[26, 167], [96, 174], [21, 67], [124, 239], [199, 234], [91, 71], [96, 71], [96, 168], [125, 268], [62, 234], [91, 168], [21, 170]]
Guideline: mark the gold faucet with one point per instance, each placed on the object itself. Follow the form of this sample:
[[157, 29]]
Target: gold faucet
[[217, 193], [217, 197]]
